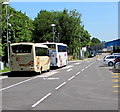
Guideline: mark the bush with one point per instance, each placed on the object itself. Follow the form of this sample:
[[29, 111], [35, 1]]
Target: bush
[[86, 54]]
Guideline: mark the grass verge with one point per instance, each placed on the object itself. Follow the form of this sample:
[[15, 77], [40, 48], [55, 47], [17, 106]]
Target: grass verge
[[5, 70]]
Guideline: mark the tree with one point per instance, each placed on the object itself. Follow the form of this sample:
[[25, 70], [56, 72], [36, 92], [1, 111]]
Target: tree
[[42, 24], [95, 41], [68, 24], [20, 27], [23, 29]]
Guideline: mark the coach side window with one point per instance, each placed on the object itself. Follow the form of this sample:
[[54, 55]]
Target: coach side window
[[62, 48], [41, 51]]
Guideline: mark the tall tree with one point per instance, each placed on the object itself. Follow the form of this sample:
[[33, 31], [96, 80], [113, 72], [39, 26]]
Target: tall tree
[[20, 27], [68, 24], [95, 41]]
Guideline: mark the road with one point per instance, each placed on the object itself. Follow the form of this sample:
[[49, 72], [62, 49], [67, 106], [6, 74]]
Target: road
[[81, 85]]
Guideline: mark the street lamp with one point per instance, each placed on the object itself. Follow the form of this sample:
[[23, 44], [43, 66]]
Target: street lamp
[[53, 25], [7, 17], [58, 37], [80, 49]]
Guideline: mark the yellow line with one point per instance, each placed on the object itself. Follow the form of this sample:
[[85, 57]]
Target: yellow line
[[116, 73], [116, 91], [115, 76], [116, 86], [115, 80]]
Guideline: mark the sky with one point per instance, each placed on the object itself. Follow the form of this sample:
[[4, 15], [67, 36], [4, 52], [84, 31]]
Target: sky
[[99, 18]]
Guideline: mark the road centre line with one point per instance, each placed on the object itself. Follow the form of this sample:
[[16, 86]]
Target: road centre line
[[77, 73], [71, 78], [83, 69], [18, 83], [88, 66], [60, 85], [42, 99]]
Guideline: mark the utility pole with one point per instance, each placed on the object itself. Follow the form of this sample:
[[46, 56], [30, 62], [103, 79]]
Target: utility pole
[[53, 25], [7, 17]]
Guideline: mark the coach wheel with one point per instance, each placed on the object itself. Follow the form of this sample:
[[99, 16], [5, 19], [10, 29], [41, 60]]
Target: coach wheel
[[40, 70], [110, 64], [114, 65], [48, 70]]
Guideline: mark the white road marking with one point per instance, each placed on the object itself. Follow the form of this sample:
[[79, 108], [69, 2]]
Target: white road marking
[[83, 69], [48, 74], [98, 59], [18, 83], [69, 70], [67, 67], [60, 85], [50, 78], [42, 99], [71, 78], [3, 77], [77, 63], [74, 61], [77, 73]]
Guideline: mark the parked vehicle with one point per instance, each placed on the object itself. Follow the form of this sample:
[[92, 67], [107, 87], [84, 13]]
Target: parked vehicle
[[92, 53], [116, 54], [109, 60], [117, 65], [29, 57], [116, 62], [57, 53]]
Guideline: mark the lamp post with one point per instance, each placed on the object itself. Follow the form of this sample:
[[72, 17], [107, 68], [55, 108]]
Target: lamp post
[[53, 25], [7, 17], [58, 37]]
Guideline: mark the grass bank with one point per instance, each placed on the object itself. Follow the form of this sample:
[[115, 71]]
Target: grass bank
[[5, 70]]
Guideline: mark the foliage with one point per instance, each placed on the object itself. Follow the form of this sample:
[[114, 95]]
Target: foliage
[[95, 41], [116, 49], [86, 54], [20, 27], [5, 70], [1, 1], [68, 24]]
